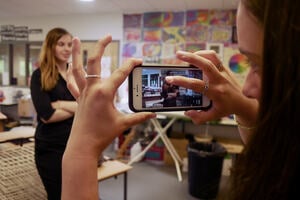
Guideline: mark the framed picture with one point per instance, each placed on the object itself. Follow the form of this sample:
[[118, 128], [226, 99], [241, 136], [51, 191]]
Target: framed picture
[[217, 47]]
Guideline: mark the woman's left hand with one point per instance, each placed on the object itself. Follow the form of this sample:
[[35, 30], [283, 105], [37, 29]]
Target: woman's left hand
[[221, 87]]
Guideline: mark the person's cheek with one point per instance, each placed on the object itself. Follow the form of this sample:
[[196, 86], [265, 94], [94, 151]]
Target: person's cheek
[[251, 86]]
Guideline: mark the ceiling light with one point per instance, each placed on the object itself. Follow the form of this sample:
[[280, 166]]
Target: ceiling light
[[86, 0]]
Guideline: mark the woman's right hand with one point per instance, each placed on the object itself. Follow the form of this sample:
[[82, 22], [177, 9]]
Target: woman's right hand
[[223, 89]]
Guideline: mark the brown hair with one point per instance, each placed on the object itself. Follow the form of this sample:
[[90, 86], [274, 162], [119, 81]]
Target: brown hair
[[47, 61], [269, 166]]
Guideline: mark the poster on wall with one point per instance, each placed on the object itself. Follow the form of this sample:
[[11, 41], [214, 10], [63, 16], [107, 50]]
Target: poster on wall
[[220, 34], [197, 17], [168, 53], [217, 47], [197, 33], [14, 33], [236, 62], [132, 49], [153, 20], [132, 21], [173, 35], [152, 52], [7, 32], [193, 47], [173, 19], [133, 34], [220, 17], [21, 33], [152, 35], [192, 30]]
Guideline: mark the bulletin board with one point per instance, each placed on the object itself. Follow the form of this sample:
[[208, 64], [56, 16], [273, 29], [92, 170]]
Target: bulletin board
[[111, 53]]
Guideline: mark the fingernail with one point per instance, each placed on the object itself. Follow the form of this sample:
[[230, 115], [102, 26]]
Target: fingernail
[[187, 113], [181, 54], [169, 79]]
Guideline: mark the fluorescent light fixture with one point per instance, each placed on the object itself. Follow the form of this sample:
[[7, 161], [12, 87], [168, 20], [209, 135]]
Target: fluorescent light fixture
[[87, 0]]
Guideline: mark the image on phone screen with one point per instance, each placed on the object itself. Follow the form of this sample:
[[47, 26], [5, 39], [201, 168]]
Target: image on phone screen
[[150, 91]]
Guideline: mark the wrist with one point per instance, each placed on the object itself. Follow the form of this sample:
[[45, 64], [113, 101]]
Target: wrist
[[243, 125]]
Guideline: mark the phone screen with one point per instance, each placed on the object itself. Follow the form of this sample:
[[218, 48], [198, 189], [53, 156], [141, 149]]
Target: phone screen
[[150, 92]]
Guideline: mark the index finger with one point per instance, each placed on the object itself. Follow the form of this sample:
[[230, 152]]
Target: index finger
[[203, 63], [120, 74], [94, 62]]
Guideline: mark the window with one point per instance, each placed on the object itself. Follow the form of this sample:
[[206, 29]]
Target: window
[[17, 62], [4, 64]]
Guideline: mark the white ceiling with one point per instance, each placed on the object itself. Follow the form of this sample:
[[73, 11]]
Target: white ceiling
[[34, 8]]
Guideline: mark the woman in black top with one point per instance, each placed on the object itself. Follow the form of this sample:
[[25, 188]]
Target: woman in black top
[[55, 107], [169, 92]]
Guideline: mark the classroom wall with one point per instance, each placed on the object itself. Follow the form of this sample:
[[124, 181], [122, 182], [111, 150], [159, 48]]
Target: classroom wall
[[92, 27], [86, 27]]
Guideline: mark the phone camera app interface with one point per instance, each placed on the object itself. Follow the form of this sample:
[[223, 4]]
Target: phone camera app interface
[[157, 93]]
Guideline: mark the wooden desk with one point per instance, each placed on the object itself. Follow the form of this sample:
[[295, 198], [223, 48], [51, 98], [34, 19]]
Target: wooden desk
[[232, 148], [113, 168], [2, 118], [21, 135]]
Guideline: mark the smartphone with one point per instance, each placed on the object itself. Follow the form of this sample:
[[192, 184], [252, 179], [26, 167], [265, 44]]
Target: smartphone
[[148, 90]]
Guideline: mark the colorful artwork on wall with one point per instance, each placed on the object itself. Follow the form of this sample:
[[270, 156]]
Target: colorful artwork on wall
[[132, 50], [173, 19], [197, 33], [133, 35], [152, 35], [168, 53], [161, 34], [220, 17], [193, 47], [220, 34], [197, 17], [132, 21], [152, 52], [151, 49], [173, 35], [238, 63], [217, 47], [152, 20]]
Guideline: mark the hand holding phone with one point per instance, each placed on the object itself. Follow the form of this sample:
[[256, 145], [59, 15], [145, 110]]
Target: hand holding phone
[[148, 90]]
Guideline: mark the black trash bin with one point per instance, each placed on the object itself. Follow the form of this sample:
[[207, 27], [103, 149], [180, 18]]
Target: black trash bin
[[205, 163]]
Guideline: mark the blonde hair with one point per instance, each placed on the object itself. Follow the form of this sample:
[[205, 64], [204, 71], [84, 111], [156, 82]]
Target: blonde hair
[[47, 61]]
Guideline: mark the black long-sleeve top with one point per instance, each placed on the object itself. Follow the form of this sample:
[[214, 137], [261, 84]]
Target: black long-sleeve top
[[57, 132]]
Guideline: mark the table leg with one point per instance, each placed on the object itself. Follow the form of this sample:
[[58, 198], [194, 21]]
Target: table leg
[[125, 186], [162, 134], [144, 151]]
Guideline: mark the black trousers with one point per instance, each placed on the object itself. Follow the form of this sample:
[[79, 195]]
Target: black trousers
[[48, 159]]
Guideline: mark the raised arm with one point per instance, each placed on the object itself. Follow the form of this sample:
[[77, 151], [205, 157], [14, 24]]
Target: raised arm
[[97, 122], [222, 88]]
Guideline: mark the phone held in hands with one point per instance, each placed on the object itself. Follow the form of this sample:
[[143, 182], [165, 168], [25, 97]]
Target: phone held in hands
[[148, 90]]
